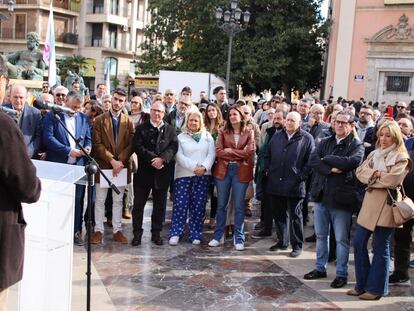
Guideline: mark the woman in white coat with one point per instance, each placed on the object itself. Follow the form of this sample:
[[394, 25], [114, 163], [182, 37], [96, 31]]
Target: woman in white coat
[[194, 159]]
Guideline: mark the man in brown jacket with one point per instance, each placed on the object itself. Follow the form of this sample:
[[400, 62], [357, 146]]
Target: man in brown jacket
[[18, 183], [112, 147]]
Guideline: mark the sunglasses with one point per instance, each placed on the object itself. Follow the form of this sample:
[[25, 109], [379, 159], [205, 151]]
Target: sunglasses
[[60, 95], [400, 107]]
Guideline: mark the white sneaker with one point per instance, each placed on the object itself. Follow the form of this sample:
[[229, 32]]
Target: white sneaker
[[174, 240], [196, 242], [215, 243], [239, 247]]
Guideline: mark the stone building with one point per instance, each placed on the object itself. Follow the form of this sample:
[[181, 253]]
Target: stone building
[[371, 50]]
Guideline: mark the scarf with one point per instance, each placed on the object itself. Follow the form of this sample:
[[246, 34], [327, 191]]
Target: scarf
[[195, 135], [380, 156]]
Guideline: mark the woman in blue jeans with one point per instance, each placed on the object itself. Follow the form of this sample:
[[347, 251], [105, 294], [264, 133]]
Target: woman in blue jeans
[[235, 148], [385, 168]]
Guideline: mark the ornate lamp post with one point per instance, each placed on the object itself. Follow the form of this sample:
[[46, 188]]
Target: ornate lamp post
[[10, 9], [231, 23]]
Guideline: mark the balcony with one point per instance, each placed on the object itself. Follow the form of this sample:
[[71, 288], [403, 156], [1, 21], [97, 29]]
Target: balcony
[[70, 38]]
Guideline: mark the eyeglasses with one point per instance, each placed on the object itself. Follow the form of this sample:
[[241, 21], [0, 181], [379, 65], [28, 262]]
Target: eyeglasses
[[400, 107], [169, 94], [157, 111], [60, 95], [343, 123], [134, 102]]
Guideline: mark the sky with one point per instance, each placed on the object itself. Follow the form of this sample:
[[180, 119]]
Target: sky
[[324, 8]]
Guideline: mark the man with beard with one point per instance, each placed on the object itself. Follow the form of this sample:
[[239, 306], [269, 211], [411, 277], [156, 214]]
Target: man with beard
[[112, 147], [365, 123], [264, 227]]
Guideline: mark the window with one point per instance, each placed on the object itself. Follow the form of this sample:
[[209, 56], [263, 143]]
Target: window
[[398, 83], [98, 6], [112, 35], [114, 7], [96, 35], [20, 26]]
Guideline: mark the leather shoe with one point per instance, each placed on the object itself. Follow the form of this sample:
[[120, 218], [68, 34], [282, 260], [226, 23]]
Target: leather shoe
[[248, 213], [78, 240], [119, 237], [314, 274], [157, 240], [339, 282], [277, 247], [368, 296], [311, 239], [259, 226], [136, 241], [295, 253], [354, 292], [262, 234], [96, 238]]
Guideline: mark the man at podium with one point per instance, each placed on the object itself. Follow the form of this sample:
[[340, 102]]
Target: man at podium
[[18, 183]]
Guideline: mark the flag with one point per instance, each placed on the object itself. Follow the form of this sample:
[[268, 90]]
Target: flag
[[107, 77], [49, 54]]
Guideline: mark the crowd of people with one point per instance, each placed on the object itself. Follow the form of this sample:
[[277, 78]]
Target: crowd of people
[[342, 156]]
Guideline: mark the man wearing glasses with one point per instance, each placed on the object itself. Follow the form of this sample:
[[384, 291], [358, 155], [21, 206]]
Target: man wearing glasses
[[177, 116], [155, 143], [169, 100], [60, 93], [45, 87], [402, 107], [334, 188], [365, 121]]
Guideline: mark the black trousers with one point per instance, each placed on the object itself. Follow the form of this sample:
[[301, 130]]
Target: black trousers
[[159, 197], [402, 241], [287, 213]]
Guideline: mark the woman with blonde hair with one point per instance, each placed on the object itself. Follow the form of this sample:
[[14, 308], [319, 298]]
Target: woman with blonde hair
[[383, 171], [194, 160]]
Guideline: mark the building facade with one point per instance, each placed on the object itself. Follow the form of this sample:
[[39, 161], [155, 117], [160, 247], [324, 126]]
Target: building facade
[[371, 50], [106, 32]]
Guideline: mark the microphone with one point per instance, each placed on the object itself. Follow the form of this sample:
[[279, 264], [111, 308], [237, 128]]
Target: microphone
[[10, 112], [40, 104]]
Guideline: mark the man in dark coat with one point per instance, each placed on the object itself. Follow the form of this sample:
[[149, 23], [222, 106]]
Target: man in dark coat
[[18, 183], [286, 167], [334, 189], [155, 143]]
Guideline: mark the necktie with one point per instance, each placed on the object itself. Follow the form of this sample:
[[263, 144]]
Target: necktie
[[115, 124]]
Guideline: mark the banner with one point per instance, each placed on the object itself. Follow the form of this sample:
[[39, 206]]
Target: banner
[[49, 54]]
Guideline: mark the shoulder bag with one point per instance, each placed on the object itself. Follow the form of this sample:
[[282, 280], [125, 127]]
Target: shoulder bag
[[403, 210]]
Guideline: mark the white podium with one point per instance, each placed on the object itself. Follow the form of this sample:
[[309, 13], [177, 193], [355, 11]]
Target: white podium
[[47, 274]]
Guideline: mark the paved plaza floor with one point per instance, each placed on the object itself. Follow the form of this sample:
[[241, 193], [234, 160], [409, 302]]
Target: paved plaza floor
[[188, 277]]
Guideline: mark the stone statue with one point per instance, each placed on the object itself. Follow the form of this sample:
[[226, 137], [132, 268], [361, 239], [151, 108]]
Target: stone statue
[[74, 77], [402, 31], [27, 64]]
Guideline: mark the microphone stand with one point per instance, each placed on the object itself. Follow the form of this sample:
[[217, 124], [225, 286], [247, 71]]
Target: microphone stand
[[90, 169]]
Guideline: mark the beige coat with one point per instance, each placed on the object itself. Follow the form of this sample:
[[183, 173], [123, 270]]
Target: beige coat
[[375, 211]]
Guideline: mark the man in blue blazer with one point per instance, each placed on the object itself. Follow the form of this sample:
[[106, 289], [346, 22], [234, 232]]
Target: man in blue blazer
[[29, 119], [61, 148]]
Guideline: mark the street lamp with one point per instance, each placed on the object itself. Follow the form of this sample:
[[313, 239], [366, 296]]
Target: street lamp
[[231, 23], [10, 9]]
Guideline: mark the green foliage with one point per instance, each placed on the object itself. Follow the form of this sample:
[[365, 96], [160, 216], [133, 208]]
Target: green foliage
[[281, 48], [73, 63]]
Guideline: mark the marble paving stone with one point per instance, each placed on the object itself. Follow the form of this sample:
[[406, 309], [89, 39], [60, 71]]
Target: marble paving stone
[[188, 277]]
